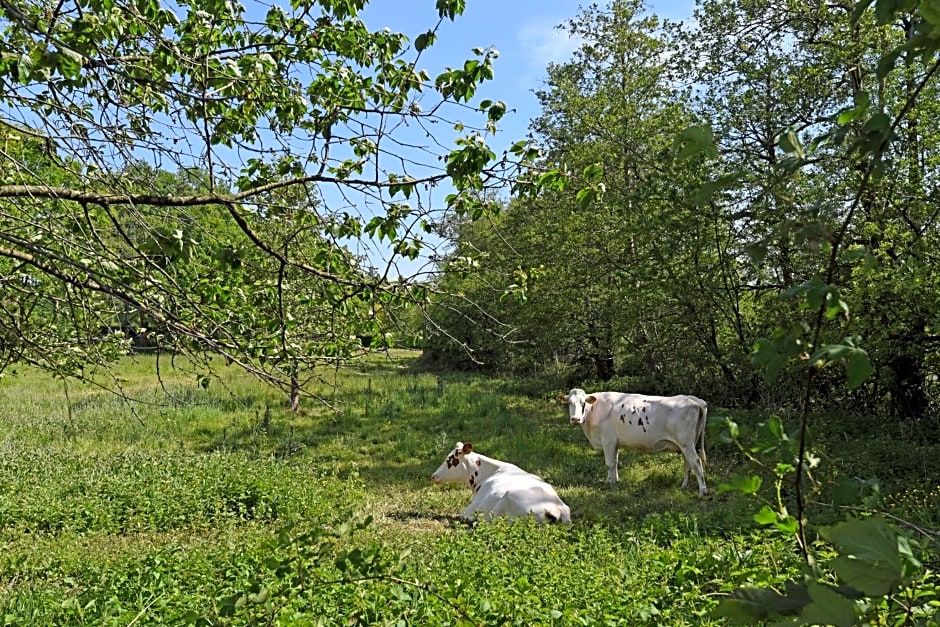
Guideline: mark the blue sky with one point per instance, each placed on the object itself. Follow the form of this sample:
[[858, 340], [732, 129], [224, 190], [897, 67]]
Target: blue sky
[[523, 31], [525, 34]]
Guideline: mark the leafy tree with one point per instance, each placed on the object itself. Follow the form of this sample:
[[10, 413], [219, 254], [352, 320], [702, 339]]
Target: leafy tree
[[842, 171], [281, 130], [633, 278], [802, 96]]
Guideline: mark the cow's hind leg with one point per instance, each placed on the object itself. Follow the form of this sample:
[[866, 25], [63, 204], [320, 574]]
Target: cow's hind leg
[[686, 471], [692, 461]]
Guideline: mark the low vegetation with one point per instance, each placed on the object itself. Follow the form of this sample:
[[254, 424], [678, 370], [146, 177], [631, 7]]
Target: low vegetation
[[215, 506]]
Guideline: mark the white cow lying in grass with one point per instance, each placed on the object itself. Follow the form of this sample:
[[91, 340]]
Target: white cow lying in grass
[[649, 424], [500, 488]]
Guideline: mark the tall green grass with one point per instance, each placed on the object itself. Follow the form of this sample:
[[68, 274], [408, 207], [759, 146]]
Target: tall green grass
[[179, 504]]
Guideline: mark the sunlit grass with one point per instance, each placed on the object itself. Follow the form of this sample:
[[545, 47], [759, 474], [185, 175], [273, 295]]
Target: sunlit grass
[[163, 501]]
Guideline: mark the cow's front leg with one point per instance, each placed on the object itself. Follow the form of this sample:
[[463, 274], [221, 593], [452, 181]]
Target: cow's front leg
[[475, 507], [611, 453]]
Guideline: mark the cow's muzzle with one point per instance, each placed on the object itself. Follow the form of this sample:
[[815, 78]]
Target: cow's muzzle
[[577, 421]]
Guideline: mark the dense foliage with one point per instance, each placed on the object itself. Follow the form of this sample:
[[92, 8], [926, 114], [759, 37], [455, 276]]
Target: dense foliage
[[214, 176], [754, 164]]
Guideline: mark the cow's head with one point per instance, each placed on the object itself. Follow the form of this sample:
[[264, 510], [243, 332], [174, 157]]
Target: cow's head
[[579, 405], [454, 469]]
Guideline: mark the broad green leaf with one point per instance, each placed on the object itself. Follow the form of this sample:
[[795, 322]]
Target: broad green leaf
[[869, 560], [496, 111], [593, 172], [873, 579], [862, 100], [835, 306], [828, 353], [790, 143], [816, 292], [859, 9], [704, 194], [694, 141], [733, 429], [848, 115], [450, 8], [553, 179], [765, 516], [589, 195], [424, 40], [877, 123], [907, 554], [787, 524], [773, 354], [846, 492], [767, 356], [857, 364], [756, 252], [930, 11], [857, 368], [860, 108], [887, 61], [24, 68], [828, 608], [742, 484], [885, 10], [774, 428], [746, 606]]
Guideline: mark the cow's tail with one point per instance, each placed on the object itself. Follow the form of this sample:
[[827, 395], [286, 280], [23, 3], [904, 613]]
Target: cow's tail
[[702, 422]]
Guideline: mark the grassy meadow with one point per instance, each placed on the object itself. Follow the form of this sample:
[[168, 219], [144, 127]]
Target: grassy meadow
[[215, 506]]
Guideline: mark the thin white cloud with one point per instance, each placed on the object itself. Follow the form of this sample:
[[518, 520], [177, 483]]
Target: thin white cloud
[[543, 43]]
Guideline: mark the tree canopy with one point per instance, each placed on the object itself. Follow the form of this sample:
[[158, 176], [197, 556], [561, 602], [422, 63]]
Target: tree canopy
[[725, 197], [766, 197], [197, 176]]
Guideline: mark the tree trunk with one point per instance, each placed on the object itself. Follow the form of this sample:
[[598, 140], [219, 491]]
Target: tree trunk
[[294, 389], [907, 389]]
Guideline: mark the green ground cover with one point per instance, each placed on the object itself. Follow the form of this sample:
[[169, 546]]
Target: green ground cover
[[214, 506]]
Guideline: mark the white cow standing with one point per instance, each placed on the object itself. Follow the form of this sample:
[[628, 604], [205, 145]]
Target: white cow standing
[[500, 488], [649, 424]]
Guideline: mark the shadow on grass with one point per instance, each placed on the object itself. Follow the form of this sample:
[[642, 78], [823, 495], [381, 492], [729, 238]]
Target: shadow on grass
[[394, 436], [452, 519], [400, 475]]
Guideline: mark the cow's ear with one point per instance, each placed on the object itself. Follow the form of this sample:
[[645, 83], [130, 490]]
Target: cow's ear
[[467, 448], [591, 399], [562, 398]]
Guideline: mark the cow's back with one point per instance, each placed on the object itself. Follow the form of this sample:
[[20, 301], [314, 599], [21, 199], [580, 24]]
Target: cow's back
[[516, 493], [649, 423]]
